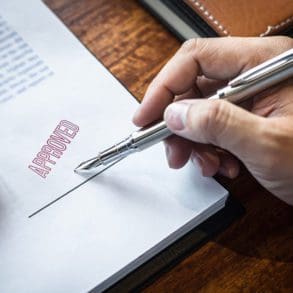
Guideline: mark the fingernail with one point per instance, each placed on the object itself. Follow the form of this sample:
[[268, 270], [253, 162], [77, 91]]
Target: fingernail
[[207, 156], [229, 172], [175, 115], [167, 149], [168, 153], [136, 114], [233, 172], [208, 162]]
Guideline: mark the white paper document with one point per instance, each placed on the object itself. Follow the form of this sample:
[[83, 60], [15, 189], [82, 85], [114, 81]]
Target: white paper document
[[60, 106]]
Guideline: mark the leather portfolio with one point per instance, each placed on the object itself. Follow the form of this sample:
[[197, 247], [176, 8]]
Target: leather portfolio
[[211, 18], [245, 17]]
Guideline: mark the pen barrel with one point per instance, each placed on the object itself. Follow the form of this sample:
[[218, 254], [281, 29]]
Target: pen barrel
[[117, 151], [148, 136], [137, 141], [243, 91]]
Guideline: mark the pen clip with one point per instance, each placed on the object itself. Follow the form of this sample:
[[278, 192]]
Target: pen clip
[[267, 68]]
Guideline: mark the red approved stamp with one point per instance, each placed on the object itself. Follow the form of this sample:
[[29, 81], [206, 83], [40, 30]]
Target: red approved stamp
[[54, 148]]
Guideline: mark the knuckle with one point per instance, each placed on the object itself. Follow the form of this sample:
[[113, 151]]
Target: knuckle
[[189, 45], [216, 120], [273, 46], [284, 42], [274, 141], [276, 138], [194, 46], [267, 47], [270, 165]]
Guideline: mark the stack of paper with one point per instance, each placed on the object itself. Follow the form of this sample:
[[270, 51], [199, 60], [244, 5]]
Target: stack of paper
[[58, 107]]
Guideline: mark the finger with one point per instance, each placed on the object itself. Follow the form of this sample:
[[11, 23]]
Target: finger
[[192, 93], [229, 165], [208, 86], [218, 58], [203, 88], [178, 151], [207, 158], [215, 122], [212, 161]]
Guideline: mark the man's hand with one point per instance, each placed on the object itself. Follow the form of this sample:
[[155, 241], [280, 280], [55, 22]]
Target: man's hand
[[213, 133]]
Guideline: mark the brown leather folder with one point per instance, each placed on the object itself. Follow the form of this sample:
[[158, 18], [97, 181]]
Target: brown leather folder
[[211, 18], [245, 17]]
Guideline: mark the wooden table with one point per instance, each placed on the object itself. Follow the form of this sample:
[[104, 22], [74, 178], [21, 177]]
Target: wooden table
[[253, 254]]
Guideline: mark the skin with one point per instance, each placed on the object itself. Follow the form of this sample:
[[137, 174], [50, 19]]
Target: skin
[[216, 134]]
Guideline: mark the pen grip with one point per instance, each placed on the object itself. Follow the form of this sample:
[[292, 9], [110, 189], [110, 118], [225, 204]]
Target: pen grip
[[148, 136]]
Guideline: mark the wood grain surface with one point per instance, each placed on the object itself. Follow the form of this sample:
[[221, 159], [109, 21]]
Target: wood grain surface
[[255, 254]]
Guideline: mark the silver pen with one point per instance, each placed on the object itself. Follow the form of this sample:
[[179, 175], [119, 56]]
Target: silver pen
[[239, 89]]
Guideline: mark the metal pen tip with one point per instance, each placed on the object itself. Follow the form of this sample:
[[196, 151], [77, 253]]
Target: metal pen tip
[[88, 166]]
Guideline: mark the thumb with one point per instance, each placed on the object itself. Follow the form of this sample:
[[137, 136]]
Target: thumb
[[215, 122]]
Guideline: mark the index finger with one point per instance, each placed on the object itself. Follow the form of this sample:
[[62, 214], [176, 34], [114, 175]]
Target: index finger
[[216, 58]]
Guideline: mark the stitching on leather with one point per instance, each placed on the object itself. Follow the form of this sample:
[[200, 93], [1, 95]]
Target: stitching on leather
[[210, 17], [272, 28]]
